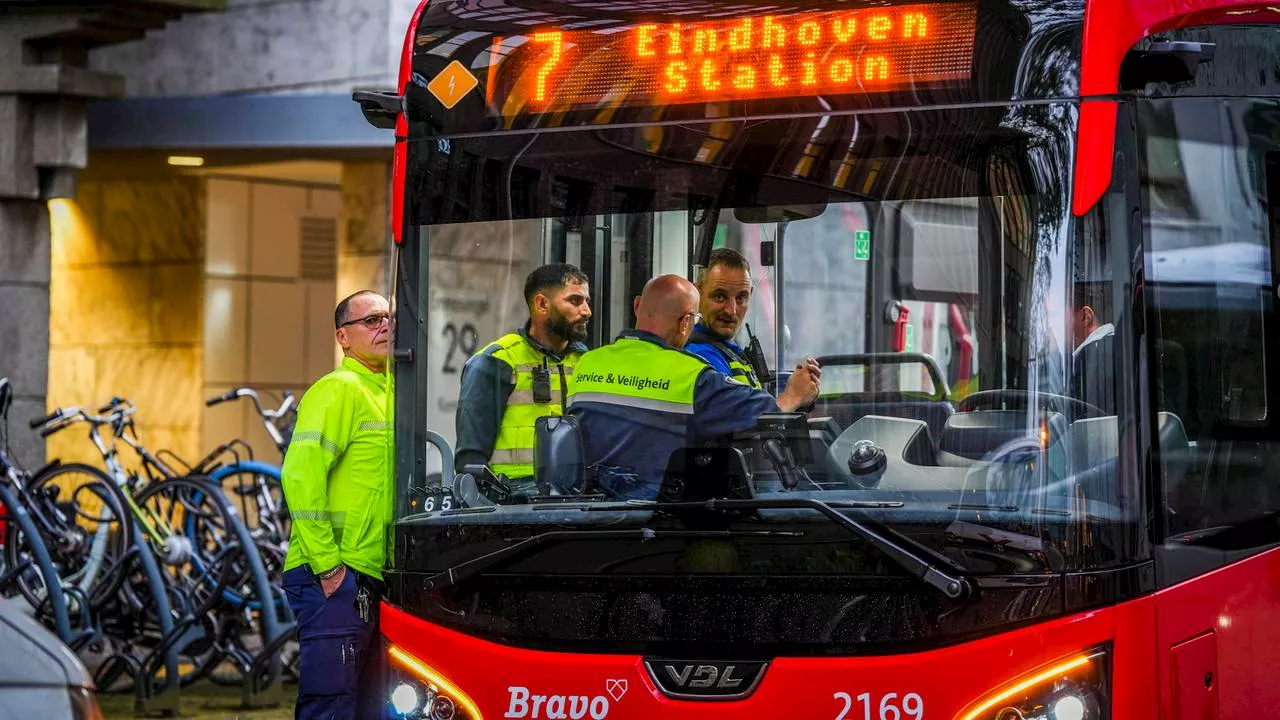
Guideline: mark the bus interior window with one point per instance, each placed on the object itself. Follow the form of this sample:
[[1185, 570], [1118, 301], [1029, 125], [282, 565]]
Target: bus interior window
[[1212, 295]]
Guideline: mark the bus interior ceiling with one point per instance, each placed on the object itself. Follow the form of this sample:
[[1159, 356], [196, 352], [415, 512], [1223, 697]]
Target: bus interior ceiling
[[735, 163]]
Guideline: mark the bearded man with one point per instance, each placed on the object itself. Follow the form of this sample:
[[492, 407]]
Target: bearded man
[[523, 376]]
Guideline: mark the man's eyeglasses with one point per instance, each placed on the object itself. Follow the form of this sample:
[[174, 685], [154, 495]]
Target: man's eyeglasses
[[697, 317], [370, 322]]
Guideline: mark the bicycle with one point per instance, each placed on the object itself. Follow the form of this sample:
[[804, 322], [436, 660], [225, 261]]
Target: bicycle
[[59, 566], [259, 486], [185, 522], [86, 534], [255, 482]]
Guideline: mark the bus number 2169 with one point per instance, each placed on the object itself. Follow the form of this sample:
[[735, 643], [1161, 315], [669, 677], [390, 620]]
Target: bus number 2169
[[911, 707]]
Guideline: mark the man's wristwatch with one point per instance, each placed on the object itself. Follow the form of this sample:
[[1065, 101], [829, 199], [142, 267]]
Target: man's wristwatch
[[330, 574]]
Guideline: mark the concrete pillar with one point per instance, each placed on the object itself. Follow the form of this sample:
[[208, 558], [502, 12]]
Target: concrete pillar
[[43, 89]]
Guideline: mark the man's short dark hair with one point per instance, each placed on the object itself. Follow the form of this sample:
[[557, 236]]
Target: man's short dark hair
[[340, 314], [1096, 295], [729, 258], [549, 277]]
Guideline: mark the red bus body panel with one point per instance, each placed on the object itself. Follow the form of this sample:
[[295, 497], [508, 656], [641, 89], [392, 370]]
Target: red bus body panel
[[1159, 659], [948, 680], [1237, 608], [401, 152], [1111, 29]]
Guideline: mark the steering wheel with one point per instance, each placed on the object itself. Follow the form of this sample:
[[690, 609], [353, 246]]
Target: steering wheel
[[999, 399]]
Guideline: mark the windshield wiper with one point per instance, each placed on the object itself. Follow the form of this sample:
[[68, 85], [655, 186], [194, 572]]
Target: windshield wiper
[[909, 554], [470, 568]]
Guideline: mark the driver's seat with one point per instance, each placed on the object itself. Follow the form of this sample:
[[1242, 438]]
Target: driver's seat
[[559, 461]]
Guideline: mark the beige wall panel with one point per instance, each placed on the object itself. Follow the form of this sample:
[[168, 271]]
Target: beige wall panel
[[275, 334], [276, 236], [321, 344], [228, 228], [226, 307]]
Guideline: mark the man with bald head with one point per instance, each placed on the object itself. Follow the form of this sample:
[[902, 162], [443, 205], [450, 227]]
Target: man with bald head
[[641, 398]]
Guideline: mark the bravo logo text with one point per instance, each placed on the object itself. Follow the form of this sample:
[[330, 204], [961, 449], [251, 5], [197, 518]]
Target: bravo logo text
[[523, 704]]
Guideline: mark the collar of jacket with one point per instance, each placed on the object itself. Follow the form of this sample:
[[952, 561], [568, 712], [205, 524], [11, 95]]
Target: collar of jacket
[[647, 337], [358, 368], [706, 332]]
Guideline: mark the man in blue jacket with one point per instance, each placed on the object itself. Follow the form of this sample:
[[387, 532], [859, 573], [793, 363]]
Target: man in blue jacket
[[725, 297], [641, 397]]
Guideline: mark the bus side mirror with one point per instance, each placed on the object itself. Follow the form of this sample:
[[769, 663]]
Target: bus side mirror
[[1164, 62], [381, 109]]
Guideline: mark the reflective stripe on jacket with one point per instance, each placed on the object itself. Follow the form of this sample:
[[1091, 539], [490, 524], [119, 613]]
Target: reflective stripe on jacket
[[638, 400], [337, 475], [513, 448]]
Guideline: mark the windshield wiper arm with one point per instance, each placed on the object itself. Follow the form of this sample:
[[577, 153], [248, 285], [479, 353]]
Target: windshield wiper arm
[[464, 570], [909, 554]]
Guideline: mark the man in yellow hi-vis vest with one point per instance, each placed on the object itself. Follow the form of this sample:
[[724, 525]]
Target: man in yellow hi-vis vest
[[337, 482], [523, 376]]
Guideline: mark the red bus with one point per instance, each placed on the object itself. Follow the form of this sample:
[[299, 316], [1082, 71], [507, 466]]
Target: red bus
[[1003, 506]]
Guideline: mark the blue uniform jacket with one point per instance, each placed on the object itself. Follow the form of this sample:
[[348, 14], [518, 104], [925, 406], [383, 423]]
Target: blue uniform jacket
[[708, 352], [630, 447]]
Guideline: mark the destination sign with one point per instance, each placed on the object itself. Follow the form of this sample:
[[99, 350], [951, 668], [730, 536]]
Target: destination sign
[[868, 50]]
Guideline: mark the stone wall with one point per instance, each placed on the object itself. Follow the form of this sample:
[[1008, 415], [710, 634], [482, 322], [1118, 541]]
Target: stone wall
[[315, 46], [125, 309], [365, 241], [24, 325]]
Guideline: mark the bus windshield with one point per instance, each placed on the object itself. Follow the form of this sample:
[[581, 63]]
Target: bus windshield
[[928, 260]]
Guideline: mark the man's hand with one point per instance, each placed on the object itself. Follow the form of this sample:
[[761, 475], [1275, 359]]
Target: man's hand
[[814, 369], [802, 388], [331, 585]]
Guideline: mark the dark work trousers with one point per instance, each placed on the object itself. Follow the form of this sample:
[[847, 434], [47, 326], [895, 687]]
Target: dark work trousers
[[339, 662]]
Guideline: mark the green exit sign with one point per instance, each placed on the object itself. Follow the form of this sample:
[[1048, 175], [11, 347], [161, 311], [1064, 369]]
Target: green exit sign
[[862, 245]]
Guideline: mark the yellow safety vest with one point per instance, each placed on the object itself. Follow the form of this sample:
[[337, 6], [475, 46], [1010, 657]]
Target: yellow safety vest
[[634, 373], [513, 450]]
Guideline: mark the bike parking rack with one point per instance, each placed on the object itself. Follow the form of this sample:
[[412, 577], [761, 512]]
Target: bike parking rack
[[262, 684], [56, 593]]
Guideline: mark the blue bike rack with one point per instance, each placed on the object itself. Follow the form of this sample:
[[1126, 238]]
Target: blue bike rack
[[57, 599]]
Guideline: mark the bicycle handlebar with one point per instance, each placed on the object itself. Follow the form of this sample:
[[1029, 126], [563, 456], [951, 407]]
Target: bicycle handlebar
[[65, 417], [115, 402], [232, 395], [252, 394], [46, 419]]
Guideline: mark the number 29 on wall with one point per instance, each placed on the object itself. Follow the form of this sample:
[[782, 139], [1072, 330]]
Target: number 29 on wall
[[910, 708]]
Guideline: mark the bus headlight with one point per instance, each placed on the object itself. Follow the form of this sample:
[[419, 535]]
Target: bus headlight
[[1072, 688], [420, 692], [404, 698]]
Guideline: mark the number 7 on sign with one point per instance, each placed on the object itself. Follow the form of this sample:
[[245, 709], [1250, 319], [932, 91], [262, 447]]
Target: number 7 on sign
[[555, 39]]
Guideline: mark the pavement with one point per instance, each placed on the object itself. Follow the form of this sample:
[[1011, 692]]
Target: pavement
[[202, 701]]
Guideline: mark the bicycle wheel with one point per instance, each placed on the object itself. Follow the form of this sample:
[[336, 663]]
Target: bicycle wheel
[[85, 527], [194, 538], [255, 490]]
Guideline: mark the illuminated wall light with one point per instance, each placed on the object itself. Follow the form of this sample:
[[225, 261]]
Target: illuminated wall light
[[186, 161]]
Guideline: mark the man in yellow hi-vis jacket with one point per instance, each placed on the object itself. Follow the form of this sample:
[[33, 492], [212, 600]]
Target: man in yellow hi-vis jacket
[[337, 480]]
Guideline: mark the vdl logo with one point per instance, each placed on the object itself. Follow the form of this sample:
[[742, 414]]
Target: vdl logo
[[702, 680]]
